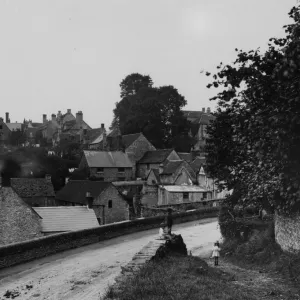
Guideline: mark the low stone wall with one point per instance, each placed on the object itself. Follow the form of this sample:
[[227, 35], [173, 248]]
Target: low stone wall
[[148, 211], [13, 254], [287, 232]]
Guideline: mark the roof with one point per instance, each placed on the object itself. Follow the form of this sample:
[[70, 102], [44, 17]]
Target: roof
[[66, 218], [198, 117], [171, 167], [188, 157], [104, 159], [75, 190], [14, 126], [128, 139], [92, 134], [32, 187], [183, 188], [197, 163], [155, 156]]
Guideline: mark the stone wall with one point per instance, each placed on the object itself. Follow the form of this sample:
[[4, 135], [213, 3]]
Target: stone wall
[[21, 252], [18, 221], [112, 174], [287, 232]]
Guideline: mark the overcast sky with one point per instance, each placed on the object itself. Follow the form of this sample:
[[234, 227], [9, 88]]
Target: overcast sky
[[60, 54]]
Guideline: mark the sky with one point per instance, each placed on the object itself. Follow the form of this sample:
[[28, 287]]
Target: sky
[[73, 54]]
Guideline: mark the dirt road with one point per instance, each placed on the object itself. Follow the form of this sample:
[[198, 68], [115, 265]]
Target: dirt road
[[85, 273]]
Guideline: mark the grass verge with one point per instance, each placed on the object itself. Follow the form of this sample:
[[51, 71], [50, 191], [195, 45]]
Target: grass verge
[[179, 278]]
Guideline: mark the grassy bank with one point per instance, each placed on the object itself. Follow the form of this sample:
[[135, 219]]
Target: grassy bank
[[178, 278]]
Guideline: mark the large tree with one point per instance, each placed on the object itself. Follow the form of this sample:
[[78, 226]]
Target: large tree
[[254, 142], [155, 111]]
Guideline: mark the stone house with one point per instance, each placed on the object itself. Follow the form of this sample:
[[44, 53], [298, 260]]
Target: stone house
[[7, 128], [58, 219], [35, 191], [107, 202], [18, 221], [107, 166], [199, 121], [153, 159]]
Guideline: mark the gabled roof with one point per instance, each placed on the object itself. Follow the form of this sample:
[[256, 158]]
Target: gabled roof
[[75, 190], [14, 126], [171, 167], [188, 157], [92, 134], [155, 156], [128, 139], [66, 218], [104, 159], [197, 163], [32, 187]]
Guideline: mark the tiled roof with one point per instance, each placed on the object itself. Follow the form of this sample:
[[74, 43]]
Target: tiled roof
[[75, 190], [66, 218], [171, 167], [104, 159], [155, 156], [185, 156], [14, 126], [128, 139], [92, 134], [183, 188], [32, 187]]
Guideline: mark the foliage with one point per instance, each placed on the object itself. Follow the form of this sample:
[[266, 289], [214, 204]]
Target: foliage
[[17, 137], [155, 111], [69, 150], [79, 174], [9, 168], [255, 141]]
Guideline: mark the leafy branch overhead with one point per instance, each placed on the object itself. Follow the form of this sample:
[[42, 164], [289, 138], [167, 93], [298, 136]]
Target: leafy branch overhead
[[255, 141]]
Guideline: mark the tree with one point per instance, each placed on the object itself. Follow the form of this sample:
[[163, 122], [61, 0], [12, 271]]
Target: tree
[[17, 137], [10, 169], [154, 111], [254, 141]]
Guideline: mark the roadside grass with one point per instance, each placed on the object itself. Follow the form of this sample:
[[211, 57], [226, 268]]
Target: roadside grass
[[262, 252], [178, 278]]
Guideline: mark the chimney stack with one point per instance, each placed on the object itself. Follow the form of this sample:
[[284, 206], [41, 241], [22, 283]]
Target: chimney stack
[[160, 168], [208, 110], [203, 109], [7, 120], [68, 111], [102, 126], [89, 200], [44, 119], [53, 117], [79, 117]]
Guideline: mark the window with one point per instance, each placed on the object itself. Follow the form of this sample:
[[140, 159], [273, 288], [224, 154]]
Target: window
[[186, 196], [121, 170], [204, 195], [121, 178], [100, 179], [148, 166], [99, 170], [109, 203], [204, 203]]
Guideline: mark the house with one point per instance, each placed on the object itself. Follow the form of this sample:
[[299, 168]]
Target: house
[[107, 166], [153, 159], [35, 191], [48, 128], [199, 121], [107, 203], [179, 194], [7, 129], [18, 221], [60, 219], [177, 172], [89, 136]]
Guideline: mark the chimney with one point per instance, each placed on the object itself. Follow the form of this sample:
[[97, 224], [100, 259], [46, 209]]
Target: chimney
[[48, 177], [160, 168], [7, 118], [203, 109], [68, 111], [104, 141], [53, 117], [79, 117], [208, 110], [89, 200], [102, 126], [44, 119]]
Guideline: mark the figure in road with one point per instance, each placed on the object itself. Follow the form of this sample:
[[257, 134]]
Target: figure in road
[[216, 253]]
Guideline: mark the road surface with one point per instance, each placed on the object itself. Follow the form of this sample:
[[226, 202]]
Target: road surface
[[84, 273]]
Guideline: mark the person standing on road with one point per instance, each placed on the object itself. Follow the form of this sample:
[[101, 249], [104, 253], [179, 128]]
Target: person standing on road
[[216, 253], [169, 221]]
